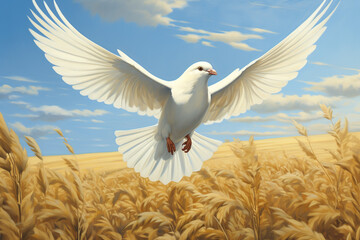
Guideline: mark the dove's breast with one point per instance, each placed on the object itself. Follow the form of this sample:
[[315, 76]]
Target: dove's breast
[[184, 111]]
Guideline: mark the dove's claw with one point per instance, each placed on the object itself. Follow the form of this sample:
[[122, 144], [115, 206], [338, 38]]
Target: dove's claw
[[170, 146], [187, 144]]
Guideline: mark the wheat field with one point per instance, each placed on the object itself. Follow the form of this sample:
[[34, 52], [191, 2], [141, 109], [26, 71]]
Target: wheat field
[[241, 193]]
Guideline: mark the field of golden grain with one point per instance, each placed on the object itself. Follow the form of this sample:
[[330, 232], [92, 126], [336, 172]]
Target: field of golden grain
[[312, 195]]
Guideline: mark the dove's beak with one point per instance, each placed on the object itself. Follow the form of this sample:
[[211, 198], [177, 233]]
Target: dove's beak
[[212, 72]]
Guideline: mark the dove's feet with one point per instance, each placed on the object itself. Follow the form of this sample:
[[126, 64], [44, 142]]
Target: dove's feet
[[187, 144], [170, 146]]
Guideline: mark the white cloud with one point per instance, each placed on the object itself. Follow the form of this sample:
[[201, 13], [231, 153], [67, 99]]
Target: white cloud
[[79, 120], [324, 126], [7, 90], [282, 117], [53, 113], [338, 85], [24, 115], [281, 102], [261, 30], [242, 46], [318, 128], [253, 29], [287, 128], [20, 79], [94, 128], [35, 132], [266, 5], [19, 103], [89, 113], [249, 133], [334, 66], [205, 43], [190, 38], [96, 121], [142, 12], [320, 63], [13, 97], [232, 38], [101, 145], [194, 30]]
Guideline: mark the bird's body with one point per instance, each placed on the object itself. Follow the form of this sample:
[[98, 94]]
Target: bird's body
[[172, 148], [186, 107], [183, 113]]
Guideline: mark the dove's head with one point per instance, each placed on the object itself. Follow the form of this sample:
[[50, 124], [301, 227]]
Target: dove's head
[[200, 70]]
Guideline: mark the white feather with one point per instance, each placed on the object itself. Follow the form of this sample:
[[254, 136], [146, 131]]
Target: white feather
[[269, 73], [143, 152], [94, 70]]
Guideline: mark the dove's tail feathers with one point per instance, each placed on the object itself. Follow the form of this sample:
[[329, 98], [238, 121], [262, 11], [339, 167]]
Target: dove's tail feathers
[[149, 156]]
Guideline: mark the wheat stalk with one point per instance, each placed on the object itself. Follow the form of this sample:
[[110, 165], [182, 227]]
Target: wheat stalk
[[287, 198], [309, 151], [34, 147]]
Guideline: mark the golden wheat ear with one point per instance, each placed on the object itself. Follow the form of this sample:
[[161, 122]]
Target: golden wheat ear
[[308, 150], [68, 146], [34, 147], [5, 139], [328, 112]]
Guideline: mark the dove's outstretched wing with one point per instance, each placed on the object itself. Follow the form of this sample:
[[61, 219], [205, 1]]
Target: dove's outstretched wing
[[99, 74], [268, 74]]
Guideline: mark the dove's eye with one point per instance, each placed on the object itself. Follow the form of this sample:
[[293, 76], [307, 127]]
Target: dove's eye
[[200, 68]]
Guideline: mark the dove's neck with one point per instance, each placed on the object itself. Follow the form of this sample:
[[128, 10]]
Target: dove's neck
[[191, 85], [192, 93]]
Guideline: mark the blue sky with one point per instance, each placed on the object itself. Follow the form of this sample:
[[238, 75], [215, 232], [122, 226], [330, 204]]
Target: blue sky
[[165, 37]]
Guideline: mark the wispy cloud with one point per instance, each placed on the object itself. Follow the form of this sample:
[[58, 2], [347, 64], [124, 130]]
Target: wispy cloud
[[266, 5], [281, 102], [338, 85], [7, 90], [94, 128], [97, 140], [97, 121], [318, 128], [334, 66], [53, 113], [232, 38], [282, 117], [209, 44], [19, 115], [142, 12], [101, 145], [253, 29], [261, 30], [79, 120], [13, 97], [287, 128], [19, 103], [320, 64], [35, 132], [20, 79]]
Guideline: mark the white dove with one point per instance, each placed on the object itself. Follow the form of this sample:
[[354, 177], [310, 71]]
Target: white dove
[[159, 152]]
